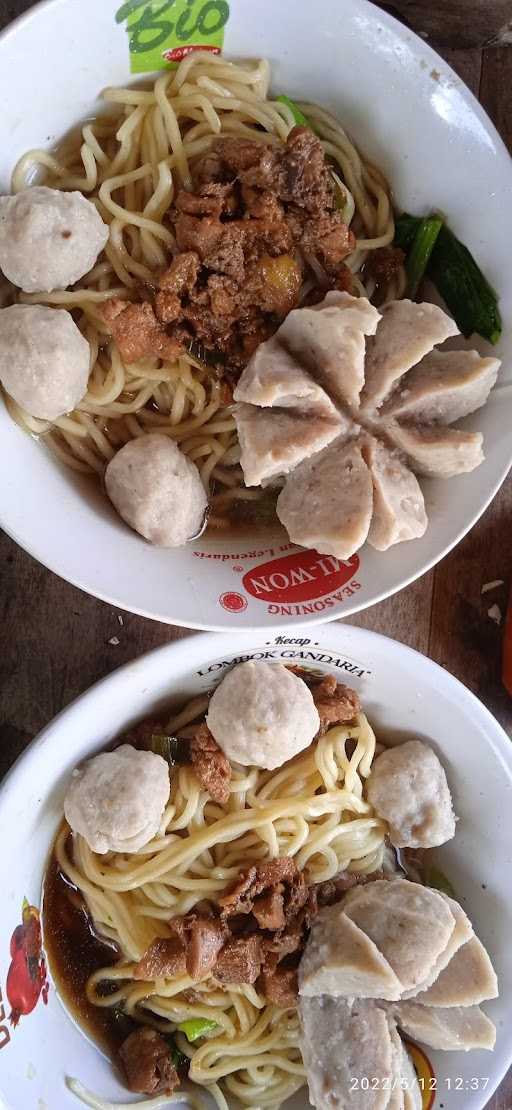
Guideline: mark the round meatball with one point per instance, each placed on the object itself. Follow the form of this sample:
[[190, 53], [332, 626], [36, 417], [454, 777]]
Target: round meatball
[[49, 239], [407, 788], [117, 799], [44, 359], [262, 715], [157, 490]]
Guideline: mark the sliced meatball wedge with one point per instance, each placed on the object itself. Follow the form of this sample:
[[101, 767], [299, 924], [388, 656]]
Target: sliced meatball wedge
[[274, 377], [413, 1099], [327, 501], [329, 340], [343, 1042], [275, 441], [406, 333], [410, 925], [462, 934], [437, 452], [342, 961], [455, 1029], [443, 388], [468, 979], [398, 504]]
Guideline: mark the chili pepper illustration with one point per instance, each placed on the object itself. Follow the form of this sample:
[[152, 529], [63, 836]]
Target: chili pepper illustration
[[26, 978]]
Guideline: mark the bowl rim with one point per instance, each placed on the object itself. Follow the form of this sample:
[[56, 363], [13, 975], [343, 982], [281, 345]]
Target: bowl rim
[[494, 732]]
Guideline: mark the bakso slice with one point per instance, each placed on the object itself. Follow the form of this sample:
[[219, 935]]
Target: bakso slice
[[343, 1043], [396, 1094], [468, 979], [117, 799], [49, 238], [44, 360], [157, 490], [275, 441], [398, 504], [329, 340], [327, 502], [453, 1029], [274, 377], [412, 1093], [262, 715], [341, 960], [462, 933], [406, 333], [438, 452], [407, 787], [444, 387], [410, 924]]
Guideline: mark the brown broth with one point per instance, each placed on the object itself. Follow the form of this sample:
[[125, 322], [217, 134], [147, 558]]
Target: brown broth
[[74, 952], [254, 519]]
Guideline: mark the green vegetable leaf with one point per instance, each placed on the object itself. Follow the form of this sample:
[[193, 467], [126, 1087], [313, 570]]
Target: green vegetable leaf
[[171, 748], [438, 881], [196, 1027], [405, 231], [299, 117], [419, 255], [180, 1061], [468, 295]]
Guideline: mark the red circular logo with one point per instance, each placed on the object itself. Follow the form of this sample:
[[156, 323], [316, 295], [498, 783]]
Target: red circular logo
[[234, 603]]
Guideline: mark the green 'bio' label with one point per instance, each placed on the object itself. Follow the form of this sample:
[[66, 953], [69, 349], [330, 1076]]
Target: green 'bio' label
[[163, 32]]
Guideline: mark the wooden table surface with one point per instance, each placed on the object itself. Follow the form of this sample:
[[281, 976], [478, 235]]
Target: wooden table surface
[[55, 641]]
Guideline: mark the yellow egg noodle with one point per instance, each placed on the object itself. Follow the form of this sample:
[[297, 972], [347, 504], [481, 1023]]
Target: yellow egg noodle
[[130, 163], [313, 810]]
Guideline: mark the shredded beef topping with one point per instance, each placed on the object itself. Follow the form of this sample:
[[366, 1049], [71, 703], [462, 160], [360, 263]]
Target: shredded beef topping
[[240, 960], [205, 943], [164, 959], [335, 702], [258, 211], [146, 1061], [268, 910], [137, 331], [280, 986], [210, 764], [263, 877]]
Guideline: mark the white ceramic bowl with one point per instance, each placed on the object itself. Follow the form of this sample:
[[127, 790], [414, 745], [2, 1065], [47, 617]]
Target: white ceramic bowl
[[404, 695], [417, 120]]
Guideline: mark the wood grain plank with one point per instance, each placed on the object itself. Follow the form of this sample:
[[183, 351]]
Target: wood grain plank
[[404, 617], [496, 90], [56, 642], [464, 638], [467, 64], [455, 23]]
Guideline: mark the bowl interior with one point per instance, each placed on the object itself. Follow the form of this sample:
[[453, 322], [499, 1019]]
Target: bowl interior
[[403, 694], [415, 118]]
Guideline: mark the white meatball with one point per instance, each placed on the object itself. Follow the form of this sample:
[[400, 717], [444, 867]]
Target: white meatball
[[117, 799], [157, 490], [407, 787], [49, 239], [262, 715], [44, 359]]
